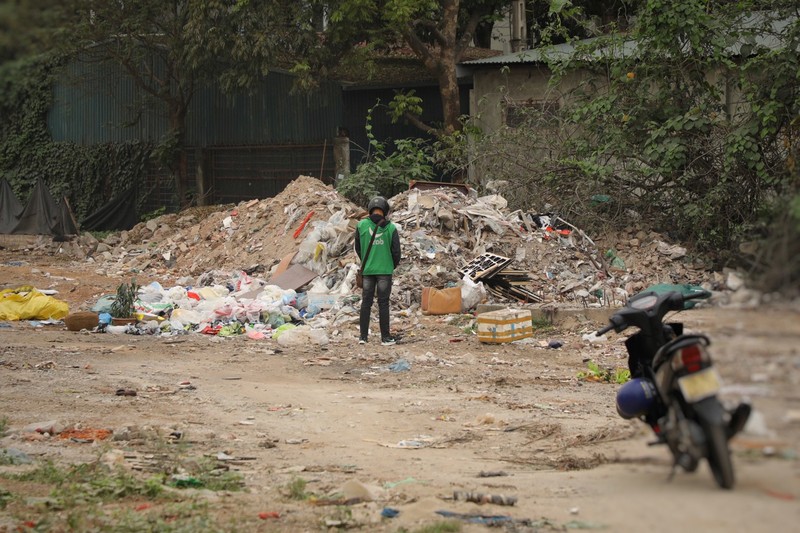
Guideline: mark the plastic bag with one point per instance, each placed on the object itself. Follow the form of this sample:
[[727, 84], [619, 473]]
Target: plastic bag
[[471, 294], [302, 336], [26, 303]]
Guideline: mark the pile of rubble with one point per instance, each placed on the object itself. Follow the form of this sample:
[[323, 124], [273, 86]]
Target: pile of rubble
[[286, 265], [442, 230]]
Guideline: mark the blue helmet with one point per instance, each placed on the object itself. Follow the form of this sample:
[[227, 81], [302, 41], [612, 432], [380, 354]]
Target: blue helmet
[[636, 398]]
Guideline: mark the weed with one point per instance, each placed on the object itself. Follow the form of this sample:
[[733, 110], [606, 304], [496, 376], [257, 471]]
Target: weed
[[297, 489], [440, 527], [606, 375], [542, 324], [46, 473], [153, 214], [213, 478], [5, 497], [179, 517], [100, 235], [3, 426]]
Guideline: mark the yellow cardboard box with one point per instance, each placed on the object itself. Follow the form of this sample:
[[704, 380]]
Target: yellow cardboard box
[[506, 325]]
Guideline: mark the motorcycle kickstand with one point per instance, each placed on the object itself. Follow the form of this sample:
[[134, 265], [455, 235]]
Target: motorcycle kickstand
[[672, 471]]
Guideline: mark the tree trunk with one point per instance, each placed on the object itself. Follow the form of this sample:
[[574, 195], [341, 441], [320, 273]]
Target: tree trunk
[[448, 78], [451, 100], [179, 162]]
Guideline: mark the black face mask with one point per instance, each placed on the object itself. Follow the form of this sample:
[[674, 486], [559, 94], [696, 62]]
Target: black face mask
[[376, 218]]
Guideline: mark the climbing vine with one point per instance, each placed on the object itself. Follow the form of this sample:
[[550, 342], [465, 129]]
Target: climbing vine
[[689, 124], [87, 175]]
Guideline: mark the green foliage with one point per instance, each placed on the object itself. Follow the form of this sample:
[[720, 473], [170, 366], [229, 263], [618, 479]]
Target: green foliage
[[5, 498], [123, 305], [46, 473], [153, 214], [94, 482], [3, 426], [211, 477], [446, 526], [404, 104], [93, 497], [680, 134], [179, 517], [384, 173], [604, 375], [296, 489]]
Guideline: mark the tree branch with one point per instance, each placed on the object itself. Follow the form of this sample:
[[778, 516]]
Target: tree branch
[[415, 121], [469, 31], [433, 28]]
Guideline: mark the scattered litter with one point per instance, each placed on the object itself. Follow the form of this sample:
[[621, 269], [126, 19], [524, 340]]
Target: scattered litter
[[401, 365], [492, 473], [393, 484], [478, 497], [447, 234], [13, 456], [85, 435], [487, 520]]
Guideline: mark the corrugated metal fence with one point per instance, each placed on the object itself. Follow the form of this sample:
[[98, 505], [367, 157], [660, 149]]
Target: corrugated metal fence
[[249, 144]]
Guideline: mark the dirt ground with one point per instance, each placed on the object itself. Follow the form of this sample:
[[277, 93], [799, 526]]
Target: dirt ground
[[340, 423]]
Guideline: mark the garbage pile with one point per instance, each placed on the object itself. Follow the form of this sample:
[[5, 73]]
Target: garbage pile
[[284, 267], [442, 230]]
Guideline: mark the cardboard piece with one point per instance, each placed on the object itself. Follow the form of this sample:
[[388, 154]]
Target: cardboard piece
[[441, 301], [505, 325], [293, 278], [284, 264]]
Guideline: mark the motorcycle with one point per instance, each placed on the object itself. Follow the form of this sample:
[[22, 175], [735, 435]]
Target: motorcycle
[[674, 384]]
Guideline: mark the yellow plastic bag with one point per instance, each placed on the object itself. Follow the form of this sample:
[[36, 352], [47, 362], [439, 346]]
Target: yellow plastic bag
[[26, 303]]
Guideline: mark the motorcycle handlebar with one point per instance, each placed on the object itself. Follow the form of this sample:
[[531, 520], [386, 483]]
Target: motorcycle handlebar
[[677, 300], [603, 331]]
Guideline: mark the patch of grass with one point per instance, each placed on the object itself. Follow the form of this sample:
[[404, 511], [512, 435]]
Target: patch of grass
[[5, 497], [296, 489], [447, 526], [214, 478], [3, 426], [94, 497], [179, 517], [47, 473], [605, 375], [100, 235], [90, 482], [542, 324]]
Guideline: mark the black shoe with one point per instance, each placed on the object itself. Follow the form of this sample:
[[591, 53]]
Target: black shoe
[[388, 341], [739, 418], [362, 340]]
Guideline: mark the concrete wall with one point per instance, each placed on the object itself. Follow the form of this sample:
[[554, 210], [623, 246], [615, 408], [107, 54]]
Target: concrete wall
[[496, 88]]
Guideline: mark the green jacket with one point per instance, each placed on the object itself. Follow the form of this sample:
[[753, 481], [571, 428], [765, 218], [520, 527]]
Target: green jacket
[[384, 255]]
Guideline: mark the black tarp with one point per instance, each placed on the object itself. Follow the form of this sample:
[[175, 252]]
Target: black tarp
[[10, 208], [117, 214], [43, 216]]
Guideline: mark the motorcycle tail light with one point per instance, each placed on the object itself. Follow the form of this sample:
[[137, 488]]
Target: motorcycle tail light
[[689, 358]]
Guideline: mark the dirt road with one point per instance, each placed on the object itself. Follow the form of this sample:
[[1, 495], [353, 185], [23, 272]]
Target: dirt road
[[330, 437]]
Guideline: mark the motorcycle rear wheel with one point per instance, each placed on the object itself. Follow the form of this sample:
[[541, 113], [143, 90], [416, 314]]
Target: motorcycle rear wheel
[[719, 456]]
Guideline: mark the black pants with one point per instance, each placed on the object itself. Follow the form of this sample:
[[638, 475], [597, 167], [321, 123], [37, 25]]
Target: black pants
[[383, 284]]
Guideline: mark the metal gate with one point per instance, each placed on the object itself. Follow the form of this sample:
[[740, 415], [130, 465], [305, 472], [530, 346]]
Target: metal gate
[[240, 173]]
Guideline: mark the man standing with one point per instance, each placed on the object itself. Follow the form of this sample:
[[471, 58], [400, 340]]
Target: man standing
[[378, 247]]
